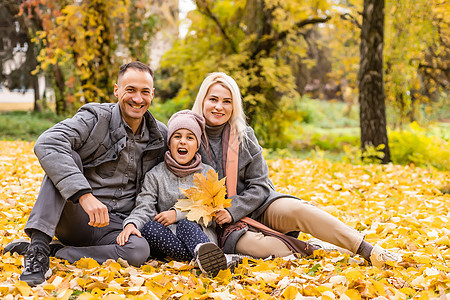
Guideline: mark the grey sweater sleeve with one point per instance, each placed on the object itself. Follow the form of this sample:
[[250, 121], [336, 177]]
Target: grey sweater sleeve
[[253, 183]]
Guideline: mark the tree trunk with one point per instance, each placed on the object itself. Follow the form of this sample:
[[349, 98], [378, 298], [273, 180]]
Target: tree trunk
[[37, 107], [371, 89], [31, 53], [60, 101]]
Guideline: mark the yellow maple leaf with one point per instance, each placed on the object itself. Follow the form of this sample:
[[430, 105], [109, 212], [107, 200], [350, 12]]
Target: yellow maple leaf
[[205, 198]]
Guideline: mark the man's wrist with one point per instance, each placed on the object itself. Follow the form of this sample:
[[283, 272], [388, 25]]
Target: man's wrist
[[76, 197]]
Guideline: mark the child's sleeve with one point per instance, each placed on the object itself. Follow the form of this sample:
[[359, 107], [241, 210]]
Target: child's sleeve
[[145, 209], [180, 214]]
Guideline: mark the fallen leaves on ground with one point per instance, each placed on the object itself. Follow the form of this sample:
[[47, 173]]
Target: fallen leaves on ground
[[399, 207], [205, 198]]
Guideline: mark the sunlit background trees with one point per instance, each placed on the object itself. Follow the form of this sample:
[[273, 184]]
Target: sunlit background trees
[[281, 53]]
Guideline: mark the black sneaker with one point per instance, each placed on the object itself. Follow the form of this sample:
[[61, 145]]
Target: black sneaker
[[37, 267], [19, 246], [210, 258]]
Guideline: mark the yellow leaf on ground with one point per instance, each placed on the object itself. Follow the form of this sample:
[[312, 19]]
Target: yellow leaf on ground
[[353, 294], [115, 297], [290, 292], [87, 263], [224, 276], [65, 295], [23, 288], [353, 274]]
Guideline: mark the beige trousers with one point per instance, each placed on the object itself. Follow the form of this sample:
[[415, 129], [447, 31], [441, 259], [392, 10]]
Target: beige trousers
[[289, 214]]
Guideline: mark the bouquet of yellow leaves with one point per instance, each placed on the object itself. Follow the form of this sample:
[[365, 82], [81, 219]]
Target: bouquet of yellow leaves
[[205, 198]]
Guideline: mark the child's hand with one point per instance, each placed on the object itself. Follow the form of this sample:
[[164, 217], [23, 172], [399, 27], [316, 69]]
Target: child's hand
[[223, 217], [130, 229], [166, 217]]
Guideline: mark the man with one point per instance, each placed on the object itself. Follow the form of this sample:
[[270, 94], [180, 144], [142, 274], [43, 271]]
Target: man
[[95, 163]]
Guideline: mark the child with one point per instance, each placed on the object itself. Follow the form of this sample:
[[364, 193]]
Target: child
[[166, 228]]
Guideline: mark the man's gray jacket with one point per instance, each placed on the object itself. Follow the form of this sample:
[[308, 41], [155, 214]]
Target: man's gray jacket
[[97, 133]]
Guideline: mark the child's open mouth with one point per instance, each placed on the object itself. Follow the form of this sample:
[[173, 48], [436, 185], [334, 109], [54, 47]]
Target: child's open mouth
[[182, 151]]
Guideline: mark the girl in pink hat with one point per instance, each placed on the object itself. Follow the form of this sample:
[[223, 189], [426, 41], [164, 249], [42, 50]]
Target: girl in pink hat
[[155, 218]]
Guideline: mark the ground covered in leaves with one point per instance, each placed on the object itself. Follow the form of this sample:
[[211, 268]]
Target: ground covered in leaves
[[400, 207]]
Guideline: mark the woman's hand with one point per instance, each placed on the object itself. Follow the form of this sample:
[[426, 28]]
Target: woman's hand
[[166, 217], [130, 229], [223, 217]]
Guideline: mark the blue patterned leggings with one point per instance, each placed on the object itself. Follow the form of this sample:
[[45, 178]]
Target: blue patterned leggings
[[180, 246]]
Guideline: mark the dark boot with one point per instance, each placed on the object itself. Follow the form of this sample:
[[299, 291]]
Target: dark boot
[[37, 266]]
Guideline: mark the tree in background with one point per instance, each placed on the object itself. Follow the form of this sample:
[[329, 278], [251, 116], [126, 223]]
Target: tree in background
[[256, 42], [371, 90], [18, 54], [342, 38], [434, 67], [416, 54], [85, 42]]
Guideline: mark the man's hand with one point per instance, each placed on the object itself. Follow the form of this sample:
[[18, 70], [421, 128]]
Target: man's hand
[[166, 217], [223, 217], [130, 229], [97, 211]]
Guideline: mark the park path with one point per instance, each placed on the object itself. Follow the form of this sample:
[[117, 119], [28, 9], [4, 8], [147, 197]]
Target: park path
[[10, 101]]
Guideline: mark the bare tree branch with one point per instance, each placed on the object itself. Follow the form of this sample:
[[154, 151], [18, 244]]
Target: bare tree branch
[[424, 66], [203, 8], [443, 84], [352, 19], [268, 43]]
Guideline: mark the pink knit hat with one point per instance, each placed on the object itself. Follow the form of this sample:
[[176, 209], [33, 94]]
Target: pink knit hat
[[187, 119]]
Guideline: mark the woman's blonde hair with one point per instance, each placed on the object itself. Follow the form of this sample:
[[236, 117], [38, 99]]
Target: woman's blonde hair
[[237, 119]]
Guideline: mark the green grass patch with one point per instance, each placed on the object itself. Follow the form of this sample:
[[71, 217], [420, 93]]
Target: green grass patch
[[328, 130], [24, 125]]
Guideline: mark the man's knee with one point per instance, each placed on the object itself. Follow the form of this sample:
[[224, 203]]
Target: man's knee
[[136, 251]]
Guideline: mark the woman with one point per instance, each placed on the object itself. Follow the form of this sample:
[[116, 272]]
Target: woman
[[219, 101]]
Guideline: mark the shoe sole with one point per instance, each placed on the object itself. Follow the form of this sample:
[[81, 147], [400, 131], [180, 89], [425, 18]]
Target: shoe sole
[[34, 283], [211, 259]]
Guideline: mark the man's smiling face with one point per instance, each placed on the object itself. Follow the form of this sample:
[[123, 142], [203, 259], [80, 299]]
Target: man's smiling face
[[134, 90]]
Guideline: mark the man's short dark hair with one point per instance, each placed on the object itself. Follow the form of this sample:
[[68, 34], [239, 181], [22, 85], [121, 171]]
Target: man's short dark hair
[[134, 65]]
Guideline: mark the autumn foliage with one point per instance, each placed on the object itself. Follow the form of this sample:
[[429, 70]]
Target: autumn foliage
[[402, 208], [205, 198]]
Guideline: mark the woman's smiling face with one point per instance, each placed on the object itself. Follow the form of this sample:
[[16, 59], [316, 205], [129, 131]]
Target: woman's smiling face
[[217, 105]]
